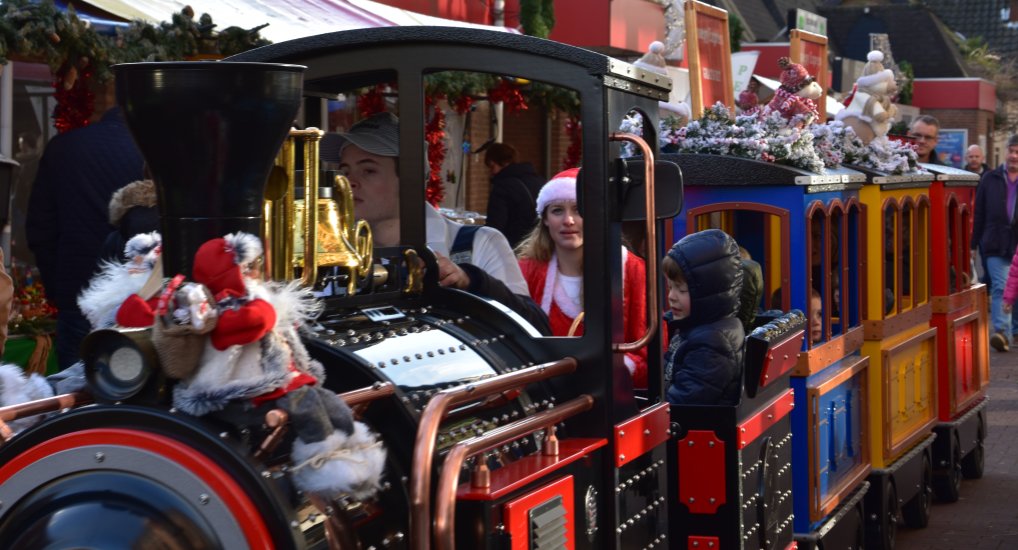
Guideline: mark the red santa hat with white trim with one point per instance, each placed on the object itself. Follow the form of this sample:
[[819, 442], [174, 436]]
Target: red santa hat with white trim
[[562, 187]]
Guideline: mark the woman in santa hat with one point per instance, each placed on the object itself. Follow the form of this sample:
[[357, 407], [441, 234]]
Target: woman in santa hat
[[551, 258]]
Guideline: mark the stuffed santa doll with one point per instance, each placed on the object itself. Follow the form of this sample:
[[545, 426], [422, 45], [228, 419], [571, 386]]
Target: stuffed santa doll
[[254, 355], [114, 296]]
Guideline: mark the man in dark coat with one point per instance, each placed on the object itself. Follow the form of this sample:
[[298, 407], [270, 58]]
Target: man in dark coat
[[514, 188], [995, 234], [68, 216], [703, 363]]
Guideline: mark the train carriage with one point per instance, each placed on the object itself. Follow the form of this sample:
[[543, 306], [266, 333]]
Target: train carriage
[[901, 346], [778, 213], [960, 315]]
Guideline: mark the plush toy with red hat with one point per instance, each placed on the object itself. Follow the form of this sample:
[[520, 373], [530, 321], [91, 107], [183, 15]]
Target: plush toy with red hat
[[255, 356], [796, 98]]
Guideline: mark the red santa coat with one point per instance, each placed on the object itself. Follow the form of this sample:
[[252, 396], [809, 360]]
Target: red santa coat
[[634, 307]]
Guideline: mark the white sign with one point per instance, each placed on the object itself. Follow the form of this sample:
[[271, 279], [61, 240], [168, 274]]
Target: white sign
[[810, 22], [743, 65]]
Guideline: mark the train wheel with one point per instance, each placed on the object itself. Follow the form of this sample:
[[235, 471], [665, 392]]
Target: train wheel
[[890, 527], [917, 511], [155, 476], [973, 463], [947, 486]]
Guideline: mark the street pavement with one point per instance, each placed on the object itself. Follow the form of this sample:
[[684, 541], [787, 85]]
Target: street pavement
[[986, 515]]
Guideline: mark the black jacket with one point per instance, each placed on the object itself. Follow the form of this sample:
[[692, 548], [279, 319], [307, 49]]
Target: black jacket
[[992, 232], [512, 201], [705, 355], [68, 209]]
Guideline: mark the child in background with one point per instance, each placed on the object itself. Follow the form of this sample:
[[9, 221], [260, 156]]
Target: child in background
[[1010, 288], [816, 318], [703, 364]]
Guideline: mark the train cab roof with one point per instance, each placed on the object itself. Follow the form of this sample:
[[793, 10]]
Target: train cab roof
[[951, 175], [722, 170]]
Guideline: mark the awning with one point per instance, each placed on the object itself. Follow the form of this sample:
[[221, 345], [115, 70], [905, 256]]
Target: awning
[[287, 19]]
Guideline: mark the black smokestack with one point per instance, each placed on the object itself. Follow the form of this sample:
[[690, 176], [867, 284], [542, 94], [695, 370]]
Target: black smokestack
[[209, 132]]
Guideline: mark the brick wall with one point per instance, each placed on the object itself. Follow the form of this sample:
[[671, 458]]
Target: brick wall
[[527, 131]]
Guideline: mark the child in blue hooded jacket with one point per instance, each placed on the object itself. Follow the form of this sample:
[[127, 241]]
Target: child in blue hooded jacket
[[703, 364]]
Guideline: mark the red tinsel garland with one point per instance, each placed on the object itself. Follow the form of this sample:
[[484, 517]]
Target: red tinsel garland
[[434, 135], [574, 129], [462, 104], [75, 100], [509, 95], [372, 102]]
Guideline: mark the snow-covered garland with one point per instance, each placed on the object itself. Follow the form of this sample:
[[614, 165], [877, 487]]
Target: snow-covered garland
[[771, 138]]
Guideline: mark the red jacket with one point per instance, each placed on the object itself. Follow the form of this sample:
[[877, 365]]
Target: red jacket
[[634, 308]]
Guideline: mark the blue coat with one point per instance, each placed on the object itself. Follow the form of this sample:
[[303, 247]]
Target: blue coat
[[68, 212], [704, 358], [992, 232]]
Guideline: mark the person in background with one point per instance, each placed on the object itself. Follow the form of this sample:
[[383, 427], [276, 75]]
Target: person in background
[[752, 289], [703, 364], [975, 161], [995, 235], [551, 258], [132, 211], [68, 211], [925, 130], [816, 318], [514, 188], [476, 259]]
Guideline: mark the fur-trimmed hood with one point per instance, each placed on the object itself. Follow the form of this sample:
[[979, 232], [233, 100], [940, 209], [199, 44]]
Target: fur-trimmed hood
[[136, 193]]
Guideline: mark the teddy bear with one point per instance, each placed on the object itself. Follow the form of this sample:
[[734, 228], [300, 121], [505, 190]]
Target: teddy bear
[[654, 61], [868, 109], [748, 101], [796, 97], [254, 356]]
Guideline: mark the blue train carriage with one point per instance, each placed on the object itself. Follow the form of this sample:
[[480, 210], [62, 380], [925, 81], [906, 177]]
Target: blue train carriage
[[902, 348], [777, 213], [960, 315], [506, 452]]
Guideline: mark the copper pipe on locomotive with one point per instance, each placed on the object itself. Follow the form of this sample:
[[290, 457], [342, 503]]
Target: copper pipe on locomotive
[[41, 406], [652, 254], [431, 418], [445, 493]]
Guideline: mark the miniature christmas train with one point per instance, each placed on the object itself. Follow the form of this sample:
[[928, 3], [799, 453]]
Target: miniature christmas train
[[494, 435]]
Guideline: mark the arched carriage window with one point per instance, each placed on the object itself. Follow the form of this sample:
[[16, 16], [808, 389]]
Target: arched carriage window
[[959, 267], [906, 254], [834, 252], [892, 264], [921, 247], [762, 231]]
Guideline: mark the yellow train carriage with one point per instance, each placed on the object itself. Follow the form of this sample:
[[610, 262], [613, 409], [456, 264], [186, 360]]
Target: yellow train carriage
[[902, 349]]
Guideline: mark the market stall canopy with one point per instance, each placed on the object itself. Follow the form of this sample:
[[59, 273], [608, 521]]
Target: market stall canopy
[[833, 105], [287, 19]]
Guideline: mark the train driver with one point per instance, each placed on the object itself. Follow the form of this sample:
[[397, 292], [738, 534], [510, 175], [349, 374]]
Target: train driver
[[486, 266]]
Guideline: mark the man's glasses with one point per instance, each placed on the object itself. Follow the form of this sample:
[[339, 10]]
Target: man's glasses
[[922, 137]]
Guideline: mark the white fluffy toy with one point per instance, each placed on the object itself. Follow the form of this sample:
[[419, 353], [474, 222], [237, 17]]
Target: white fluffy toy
[[869, 110], [117, 282]]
